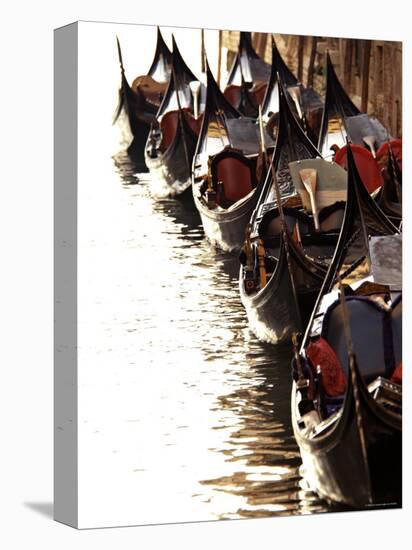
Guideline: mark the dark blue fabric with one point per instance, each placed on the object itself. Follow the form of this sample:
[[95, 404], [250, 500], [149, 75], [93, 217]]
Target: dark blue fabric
[[368, 333]]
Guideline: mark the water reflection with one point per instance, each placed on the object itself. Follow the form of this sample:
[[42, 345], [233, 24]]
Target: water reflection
[[220, 399]]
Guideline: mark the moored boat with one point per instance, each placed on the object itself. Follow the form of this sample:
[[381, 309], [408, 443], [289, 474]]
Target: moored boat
[[285, 256], [247, 78], [342, 120], [174, 132], [347, 394], [141, 100], [226, 183], [306, 103]]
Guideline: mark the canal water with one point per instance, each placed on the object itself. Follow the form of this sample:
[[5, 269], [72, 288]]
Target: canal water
[[183, 414]]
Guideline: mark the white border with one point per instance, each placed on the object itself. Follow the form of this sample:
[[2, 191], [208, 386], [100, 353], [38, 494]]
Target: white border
[[26, 274]]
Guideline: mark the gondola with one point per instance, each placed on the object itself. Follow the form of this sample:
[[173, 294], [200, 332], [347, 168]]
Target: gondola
[[276, 304], [174, 132], [381, 176], [247, 78], [141, 100], [306, 103], [342, 120], [226, 185], [347, 394]]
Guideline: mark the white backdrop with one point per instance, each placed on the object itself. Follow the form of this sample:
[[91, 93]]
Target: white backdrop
[[26, 271]]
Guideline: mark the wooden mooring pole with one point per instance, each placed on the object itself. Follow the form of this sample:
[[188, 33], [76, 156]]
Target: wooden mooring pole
[[219, 58], [312, 61], [202, 50], [301, 47], [366, 57]]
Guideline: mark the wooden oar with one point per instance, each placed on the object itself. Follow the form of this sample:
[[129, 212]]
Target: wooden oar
[[194, 86], [296, 234], [294, 92], [202, 51], [219, 58], [308, 177], [262, 138], [370, 142]]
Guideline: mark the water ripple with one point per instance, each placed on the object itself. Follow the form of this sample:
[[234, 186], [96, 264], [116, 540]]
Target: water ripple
[[200, 410]]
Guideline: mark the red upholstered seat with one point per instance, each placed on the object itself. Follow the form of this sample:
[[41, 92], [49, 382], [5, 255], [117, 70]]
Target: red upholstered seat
[[170, 123], [168, 127], [383, 152], [258, 92], [194, 123], [320, 353], [236, 177], [233, 94], [367, 166], [397, 374]]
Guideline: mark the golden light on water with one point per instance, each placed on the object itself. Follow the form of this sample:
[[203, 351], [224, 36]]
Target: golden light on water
[[183, 414]]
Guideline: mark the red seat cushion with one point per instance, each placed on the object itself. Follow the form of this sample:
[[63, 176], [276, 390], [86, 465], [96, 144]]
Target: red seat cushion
[[233, 94], [397, 374], [236, 177], [170, 122], [194, 123], [383, 153], [320, 353], [258, 92], [367, 166], [168, 127]]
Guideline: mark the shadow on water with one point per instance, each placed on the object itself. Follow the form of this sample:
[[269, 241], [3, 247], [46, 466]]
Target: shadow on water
[[249, 382], [126, 168], [262, 448]]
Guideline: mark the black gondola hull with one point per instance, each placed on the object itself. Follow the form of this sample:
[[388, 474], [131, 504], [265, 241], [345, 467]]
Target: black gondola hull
[[171, 173], [226, 229], [333, 463], [271, 312]]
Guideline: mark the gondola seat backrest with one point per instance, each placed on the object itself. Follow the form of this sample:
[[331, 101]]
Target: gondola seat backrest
[[258, 92], [366, 164], [170, 123], [370, 328], [331, 182], [271, 224], [331, 217], [233, 94], [168, 127], [237, 175], [194, 123]]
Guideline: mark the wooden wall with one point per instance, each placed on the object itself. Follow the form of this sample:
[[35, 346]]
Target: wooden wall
[[370, 70]]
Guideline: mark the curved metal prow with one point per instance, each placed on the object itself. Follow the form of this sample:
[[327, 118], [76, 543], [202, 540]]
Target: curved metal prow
[[119, 51]]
